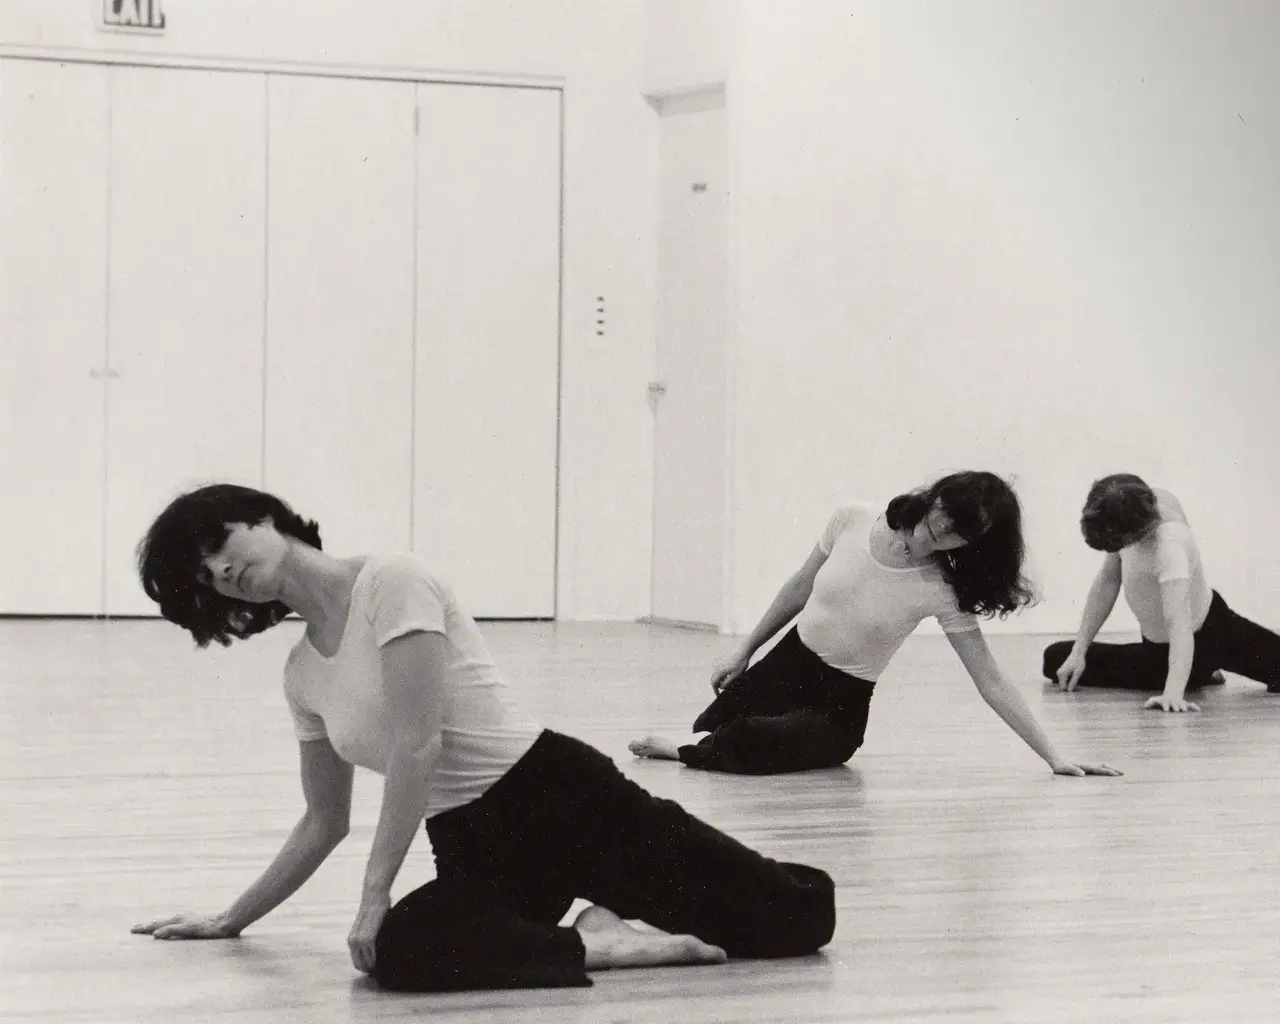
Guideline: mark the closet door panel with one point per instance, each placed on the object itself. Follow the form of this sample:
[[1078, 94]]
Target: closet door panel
[[53, 258], [340, 308], [487, 373], [187, 286]]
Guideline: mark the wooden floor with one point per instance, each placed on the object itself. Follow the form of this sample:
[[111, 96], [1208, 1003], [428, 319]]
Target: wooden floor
[[139, 777]]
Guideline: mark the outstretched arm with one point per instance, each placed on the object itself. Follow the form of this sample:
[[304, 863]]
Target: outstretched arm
[[413, 672], [1097, 609], [1175, 598], [1101, 600], [1007, 702], [787, 604], [326, 784]]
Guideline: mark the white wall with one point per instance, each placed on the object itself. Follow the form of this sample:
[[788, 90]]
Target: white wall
[[690, 43], [1040, 239], [610, 162], [1037, 238]]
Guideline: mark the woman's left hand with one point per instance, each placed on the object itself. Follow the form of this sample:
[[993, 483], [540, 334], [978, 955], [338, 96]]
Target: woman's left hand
[[365, 931], [1070, 768]]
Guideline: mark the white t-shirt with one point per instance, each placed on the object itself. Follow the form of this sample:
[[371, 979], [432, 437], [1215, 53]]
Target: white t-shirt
[[860, 611], [1169, 552], [483, 734]]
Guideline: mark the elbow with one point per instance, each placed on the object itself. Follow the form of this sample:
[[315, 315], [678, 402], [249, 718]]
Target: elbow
[[801, 588], [337, 832], [418, 750], [992, 687], [1107, 595], [412, 760], [329, 832]]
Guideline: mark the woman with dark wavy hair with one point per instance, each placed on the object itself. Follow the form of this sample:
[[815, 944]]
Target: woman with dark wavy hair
[[393, 675], [1189, 634], [952, 550]]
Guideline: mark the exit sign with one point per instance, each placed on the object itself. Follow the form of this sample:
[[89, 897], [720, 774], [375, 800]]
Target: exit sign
[[133, 15]]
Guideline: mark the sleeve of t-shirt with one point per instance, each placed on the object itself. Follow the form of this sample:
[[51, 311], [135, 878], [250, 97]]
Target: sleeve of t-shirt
[[405, 598], [1172, 560], [841, 519], [307, 725], [953, 620]]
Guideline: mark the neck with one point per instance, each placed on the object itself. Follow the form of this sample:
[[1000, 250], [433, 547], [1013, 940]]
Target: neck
[[316, 586]]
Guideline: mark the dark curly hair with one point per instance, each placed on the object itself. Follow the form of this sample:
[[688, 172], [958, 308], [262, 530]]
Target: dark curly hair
[[1120, 509], [193, 527], [986, 574]]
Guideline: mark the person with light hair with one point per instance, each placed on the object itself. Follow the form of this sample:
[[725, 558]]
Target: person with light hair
[[1189, 633]]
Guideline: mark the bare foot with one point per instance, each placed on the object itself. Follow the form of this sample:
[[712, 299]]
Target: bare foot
[[612, 943], [1218, 678], [656, 747], [599, 919]]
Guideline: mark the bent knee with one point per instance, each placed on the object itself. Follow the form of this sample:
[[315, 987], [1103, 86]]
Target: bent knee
[[398, 968], [797, 920], [1054, 655], [851, 747], [501, 955], [813, 918]]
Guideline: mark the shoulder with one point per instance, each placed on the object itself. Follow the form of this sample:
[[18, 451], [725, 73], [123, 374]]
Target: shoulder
[[402, 586], [401, 568], [848, 515], [1170, 553], [849, 512], [1170, 508], [1173, 543], [946, 605], [1173, 535]]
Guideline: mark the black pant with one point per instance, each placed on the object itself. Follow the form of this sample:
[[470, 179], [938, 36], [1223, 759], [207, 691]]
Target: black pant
[[565, 824], [1226, 641], [788, 712]]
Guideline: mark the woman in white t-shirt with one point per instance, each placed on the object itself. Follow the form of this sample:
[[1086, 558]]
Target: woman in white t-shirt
[[1189, 635], [393, 675], [952, 551]]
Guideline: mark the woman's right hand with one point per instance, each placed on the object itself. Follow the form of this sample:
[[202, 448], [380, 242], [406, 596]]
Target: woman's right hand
[[728, 669], [187, 926], [1071, 670]]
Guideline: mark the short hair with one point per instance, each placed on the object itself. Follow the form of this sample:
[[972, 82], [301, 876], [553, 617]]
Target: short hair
[[1120, 509], [194, 526], [986, 574]]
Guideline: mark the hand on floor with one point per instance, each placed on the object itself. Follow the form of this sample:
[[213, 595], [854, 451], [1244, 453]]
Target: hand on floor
[[1070, 768], [1070, 671], [365, 931], [1169, 704], [186, 926]]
